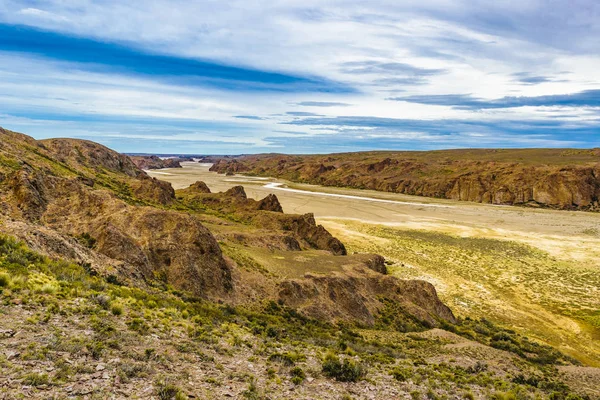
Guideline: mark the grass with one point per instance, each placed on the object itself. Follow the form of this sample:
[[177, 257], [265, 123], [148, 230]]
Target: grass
[[36, 379], [167, 330], [510, 283]]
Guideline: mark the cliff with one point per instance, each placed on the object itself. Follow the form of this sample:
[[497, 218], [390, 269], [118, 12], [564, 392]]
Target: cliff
[[155, 162], [556, 178]]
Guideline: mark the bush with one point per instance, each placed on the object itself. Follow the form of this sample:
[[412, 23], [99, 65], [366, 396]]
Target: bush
[[116, 309], [138, 325], [35, 379], [287, 358], [298, 375], [101, 299], [4, 279], [168, 391], [399, 374], [343, 371]]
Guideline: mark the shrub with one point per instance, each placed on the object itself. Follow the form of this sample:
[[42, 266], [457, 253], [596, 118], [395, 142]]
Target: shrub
[[4, 279], [102, 300], [343, 371], [36, 379], [399, 374], [96, 348], [49, 288], [138, 325], [87, 240], [116, 309], [168, 391], [287, 358], [298, 375], [252, 392]]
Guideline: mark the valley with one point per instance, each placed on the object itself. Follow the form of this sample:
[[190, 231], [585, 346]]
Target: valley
[[200, 285], [535, 270]]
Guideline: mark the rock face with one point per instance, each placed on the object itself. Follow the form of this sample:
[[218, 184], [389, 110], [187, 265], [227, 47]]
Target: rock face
[[359, 295], [227, 166], [270, 203], [155, 162], [237, 192], [268, 214], [199, 187], [306, 227], [144, 242], [554, 178]]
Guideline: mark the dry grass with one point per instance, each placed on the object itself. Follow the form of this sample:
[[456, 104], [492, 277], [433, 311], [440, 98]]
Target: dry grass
[[513, 283]]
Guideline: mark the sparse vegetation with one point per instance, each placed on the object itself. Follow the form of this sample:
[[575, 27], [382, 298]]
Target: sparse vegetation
[[478, 276], [346, 370], [105, 329], [299, 339]]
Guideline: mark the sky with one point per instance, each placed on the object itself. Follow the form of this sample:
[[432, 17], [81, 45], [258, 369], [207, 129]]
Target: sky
[[291, 76]]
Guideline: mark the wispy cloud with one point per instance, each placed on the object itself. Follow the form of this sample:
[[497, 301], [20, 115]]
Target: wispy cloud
[[303, 114], [251, 117], [393, 72], [322, 104], [103, 56], [462, 73], [588, 98]]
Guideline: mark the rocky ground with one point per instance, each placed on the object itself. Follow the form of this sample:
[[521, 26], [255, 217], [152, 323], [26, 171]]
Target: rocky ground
[[67, 334]]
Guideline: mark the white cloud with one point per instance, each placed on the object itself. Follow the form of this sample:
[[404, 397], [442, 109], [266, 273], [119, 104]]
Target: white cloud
[[311, 38]]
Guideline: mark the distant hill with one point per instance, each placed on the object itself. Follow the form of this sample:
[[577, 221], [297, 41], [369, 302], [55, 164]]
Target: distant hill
[[556, 178]]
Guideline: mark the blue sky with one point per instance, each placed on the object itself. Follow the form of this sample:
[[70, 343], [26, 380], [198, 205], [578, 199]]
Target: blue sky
[[202, 77]]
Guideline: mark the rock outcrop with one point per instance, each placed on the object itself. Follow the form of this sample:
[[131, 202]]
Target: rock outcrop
[[359, 294], [270, 203], [554, 178], [146, 242], [199, 187], [155, 162], [301, 230], [228, 166]]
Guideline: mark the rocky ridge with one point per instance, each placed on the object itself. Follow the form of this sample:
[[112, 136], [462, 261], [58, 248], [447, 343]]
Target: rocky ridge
[[155, 162], [95, 206], [561, 178]]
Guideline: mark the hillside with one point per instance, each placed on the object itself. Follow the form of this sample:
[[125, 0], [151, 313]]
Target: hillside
[[114, 284], [554, 178]]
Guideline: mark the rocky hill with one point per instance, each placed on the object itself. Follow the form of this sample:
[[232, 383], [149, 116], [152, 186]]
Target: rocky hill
[[112, 284], [139, 230], [555, 178], [155, 162]]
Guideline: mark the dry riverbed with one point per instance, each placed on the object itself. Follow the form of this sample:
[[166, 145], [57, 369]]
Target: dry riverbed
[[535, 270]]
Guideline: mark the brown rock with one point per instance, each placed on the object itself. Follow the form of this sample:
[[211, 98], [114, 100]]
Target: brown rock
[[155, 162], [356, 296], [237, 192], [270, 203], [199, 187]]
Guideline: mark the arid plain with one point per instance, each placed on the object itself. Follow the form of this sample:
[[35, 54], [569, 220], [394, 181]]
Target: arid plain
[[535, 270]]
